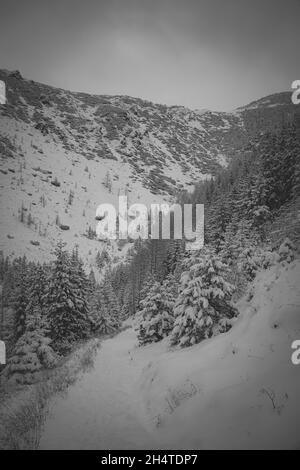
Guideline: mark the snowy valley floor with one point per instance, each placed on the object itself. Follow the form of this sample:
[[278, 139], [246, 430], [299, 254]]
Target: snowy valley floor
[[238, 390], [103, 409]]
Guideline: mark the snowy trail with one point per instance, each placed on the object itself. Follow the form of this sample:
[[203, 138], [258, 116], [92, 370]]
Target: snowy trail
[[103, 409]]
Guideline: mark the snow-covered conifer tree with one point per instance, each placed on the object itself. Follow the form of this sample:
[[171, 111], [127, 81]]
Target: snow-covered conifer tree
[[203, 306], [155, 318], [66, 301], [287, 251], [32, 352], [100, 315]]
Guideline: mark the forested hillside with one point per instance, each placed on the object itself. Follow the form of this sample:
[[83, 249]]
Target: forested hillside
[[47, 307], [244, 205]]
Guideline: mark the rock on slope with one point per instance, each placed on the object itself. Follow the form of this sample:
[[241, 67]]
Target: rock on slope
[[63, 153]]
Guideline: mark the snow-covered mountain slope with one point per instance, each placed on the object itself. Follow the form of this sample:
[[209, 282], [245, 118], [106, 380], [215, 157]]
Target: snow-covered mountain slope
[[240, 389], [63, 153]]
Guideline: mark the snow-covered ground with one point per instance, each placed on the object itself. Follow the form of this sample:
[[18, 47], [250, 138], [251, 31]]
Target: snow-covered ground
[[238, 390], [103, 410]]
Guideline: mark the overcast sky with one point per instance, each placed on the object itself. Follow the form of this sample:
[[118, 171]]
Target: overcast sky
[[216, 54]]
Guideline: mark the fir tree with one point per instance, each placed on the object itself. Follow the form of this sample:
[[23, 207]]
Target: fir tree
[[110, 302], [36, 289], [21, 296], [155, 319], [287, 251], [32, 352], [66, 301], [101, 319], [203, 306]]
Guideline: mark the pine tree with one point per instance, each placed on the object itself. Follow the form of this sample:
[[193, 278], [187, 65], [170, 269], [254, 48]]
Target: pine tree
[[155, 319], [203, 306], [32, 352], [219, 219], [173, 256], [66, 301], [249, 262], [36, 289], [92, 278], [81, 284], [149, 281], [128, 308], [287, 251], [21, 296], [110, 302], [101, 319], [238, 235]]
